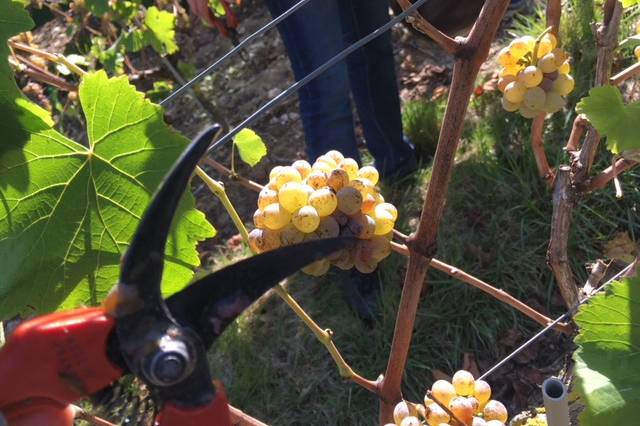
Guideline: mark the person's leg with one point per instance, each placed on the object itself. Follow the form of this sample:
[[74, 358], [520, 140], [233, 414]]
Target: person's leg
[[374, 86], [312, 35]]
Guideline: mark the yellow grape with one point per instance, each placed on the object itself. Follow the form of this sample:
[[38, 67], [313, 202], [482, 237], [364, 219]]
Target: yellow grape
[[514, 92], [287, 174], [323, 166], [306, 219], [369, 204], [261, 240], [370, 173], [463, 382], [271, 185], [361, 225], [324, 200], [384, 222], [564, 68], [554, 103], [328, 160], [495, 410], [363, 185], [401, 411], [335, 155], [316, 179], [478, 421], [462, 409], [559, 55], [546, 45], [513, 71], [338, 179], [521, 46], [258, 219], [290, 235], [350, 166], [531, 76], [317, 268], [389, 208], [274, 172], [509, 106], [292, 196], [309, 190], [443, 391], [503, 81], [349, 200], [535, 98], [494, 423], [422, 411], [345, 262], [506, 59], [436, 415], [266, 197], [475, 404], [428, 401], [527, 112], [411, 421], [482, 391], [328, 228], [547, 63], [275, 216], [563, 85], [380, 247], [636, 52], [303, 167]]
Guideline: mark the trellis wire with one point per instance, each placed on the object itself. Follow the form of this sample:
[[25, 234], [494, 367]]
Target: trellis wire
[[562, 317], [211, 68]]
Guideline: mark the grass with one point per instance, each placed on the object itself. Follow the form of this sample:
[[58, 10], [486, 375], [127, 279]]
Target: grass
[[496, 226]]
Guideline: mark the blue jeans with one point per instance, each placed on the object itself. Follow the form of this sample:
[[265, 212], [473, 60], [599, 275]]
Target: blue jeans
[[319, 31]]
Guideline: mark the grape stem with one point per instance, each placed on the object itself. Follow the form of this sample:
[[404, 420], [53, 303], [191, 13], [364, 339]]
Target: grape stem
[[534, 58], [608, 174], [537, 144], [51, 57]]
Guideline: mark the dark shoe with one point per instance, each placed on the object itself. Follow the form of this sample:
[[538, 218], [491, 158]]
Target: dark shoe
[[360, 292]]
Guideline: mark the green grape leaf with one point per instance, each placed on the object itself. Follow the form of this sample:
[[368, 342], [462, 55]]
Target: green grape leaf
[[136, 40], [162, 26], [68, 210], [250, 146], [612, 118], [608, 356], [629, 3], [217, 8]]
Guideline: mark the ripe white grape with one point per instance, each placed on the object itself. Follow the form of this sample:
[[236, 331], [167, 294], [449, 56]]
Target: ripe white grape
[[478, 421], [554, 102], [261, 240], [350, 166], [547, 63], [564, 68], [380, 247], [361, 225], [384, 222], [338, 179], [463, 382], [363, 185], [527, 112], [546, 45], [514, 92], [402, 410], [335, 155], [563, 85], [506, 59], [306, 219], [636, 52], [521, 46], [258, 219], [389, 208], [370, 173], [290, 235], [349, 200], [328, 227], [482, 391], [531, 76], [534, 98], [509, 106], [287, 174], [324, 200], [495, 410], [275, 216], [369, 204], [436, 415], [303, 167], [292, 196], [274, 172], [322, 166], [462, 409], [267, 196], [411, 421], [503, 81], [328, 161], [443, 391], [316, 179], [559, 55]]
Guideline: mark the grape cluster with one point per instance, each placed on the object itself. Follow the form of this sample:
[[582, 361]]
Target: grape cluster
[[636, 50], [534, 77], [332, 197], [468, 399]]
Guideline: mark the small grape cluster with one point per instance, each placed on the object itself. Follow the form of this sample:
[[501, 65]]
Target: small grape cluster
[[468, 399], [331, 198], [535, 76], [636, 50]]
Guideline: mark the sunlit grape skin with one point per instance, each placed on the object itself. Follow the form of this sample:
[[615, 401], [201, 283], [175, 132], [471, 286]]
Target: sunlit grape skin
[[349, 200], [275, 216], [306, 219], [436, 415], [324, 200], [495, 410], [463, 382], [402, 410], [462, 409], [292, 196], [482, 391], [443, 391]]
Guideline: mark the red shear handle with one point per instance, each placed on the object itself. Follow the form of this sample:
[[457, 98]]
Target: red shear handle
[[214, 414], [60, 357]]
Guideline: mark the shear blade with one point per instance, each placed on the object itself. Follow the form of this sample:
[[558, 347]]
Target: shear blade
[[210, 304]]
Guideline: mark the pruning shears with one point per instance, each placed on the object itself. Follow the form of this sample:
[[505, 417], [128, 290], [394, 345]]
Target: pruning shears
[[53, 360]]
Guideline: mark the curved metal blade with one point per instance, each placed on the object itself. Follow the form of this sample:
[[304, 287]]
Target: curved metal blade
[[210, 304], [142, 264]]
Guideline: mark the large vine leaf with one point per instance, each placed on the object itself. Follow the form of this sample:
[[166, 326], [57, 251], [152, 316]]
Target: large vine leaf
[[68, 211], [608, 358], [612, 118]]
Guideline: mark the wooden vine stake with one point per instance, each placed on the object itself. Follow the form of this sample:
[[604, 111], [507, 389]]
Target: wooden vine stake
[[470, 52]]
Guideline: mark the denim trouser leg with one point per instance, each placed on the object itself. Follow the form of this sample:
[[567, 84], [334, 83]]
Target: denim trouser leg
[[373, 84], [312, 35]]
